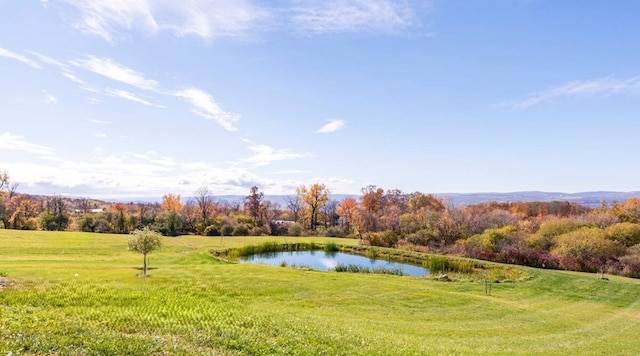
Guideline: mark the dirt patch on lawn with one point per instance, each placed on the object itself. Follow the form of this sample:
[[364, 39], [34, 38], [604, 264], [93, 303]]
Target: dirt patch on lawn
[[5, 283]]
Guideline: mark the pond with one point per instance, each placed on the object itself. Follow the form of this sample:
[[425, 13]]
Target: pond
[[327, 261]]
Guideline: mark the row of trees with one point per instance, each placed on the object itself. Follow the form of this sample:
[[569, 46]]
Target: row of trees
[[542, 234]]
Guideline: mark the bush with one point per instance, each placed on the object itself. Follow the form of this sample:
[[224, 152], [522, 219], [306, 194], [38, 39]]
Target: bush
[[226, 230], [384, 239], [102, 225], [626, 233], [240, 230], [557, 227], [421, 237], [335, 231], [295, 229], [212, 230], [586, 249], [86, 223], [259, 231]]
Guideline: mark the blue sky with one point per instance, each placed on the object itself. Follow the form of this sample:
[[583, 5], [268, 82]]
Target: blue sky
[[139, 98]]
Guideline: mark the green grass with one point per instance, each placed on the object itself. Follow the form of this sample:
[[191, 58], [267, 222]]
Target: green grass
[[78, 293]]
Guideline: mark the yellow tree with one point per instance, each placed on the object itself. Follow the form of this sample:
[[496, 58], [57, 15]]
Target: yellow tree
[[23, 212], [171, 202], [315, 197], [347, 211]]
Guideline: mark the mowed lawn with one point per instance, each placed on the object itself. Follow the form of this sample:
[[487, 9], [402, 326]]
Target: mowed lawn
[[78, 293]]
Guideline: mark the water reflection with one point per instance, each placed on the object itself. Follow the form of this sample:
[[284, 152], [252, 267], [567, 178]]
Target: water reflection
[[327, 261]]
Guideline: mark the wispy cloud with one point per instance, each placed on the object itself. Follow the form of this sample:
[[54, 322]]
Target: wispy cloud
[[603, 87], [115, 71], [47, 60], [20, 58], [9, 141], [48, 98], [265, 155], [205, 106], [111, 20], [331, 126], [116, 20], [334, 16], [130, 96], [99, 122]]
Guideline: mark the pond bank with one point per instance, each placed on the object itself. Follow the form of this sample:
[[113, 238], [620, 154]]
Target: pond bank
[[456, 267]]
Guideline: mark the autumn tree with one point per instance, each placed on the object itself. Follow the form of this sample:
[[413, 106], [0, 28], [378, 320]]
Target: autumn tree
[[394, 204], [418, 203], [371, 203], [190, 214], [145, 241], [253, 204], [629, 211], [23, 212], [120, 223], [171, 202], [315, 197], [170, 219], [347, 209], [55, 216], [7, 191]]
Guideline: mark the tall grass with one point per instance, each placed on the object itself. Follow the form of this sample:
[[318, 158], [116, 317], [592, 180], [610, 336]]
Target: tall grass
[[331, 247], [363, 269], [444, 264]]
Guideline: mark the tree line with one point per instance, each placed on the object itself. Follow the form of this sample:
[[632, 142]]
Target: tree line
[[555, 234]]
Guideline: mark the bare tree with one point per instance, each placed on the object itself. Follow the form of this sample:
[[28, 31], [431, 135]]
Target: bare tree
[[294, 205], [329, 212], [205, 202]]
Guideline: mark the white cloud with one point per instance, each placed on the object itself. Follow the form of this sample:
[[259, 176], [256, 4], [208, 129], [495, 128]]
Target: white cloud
[[135, 175], [603, 86], [265, 155], [333, 16], [99, 122], [49, 99], [100, 135], [130, 96], [206, 107], [20, 58], [115, 71], [47, 60], [83, 85], [109, 19], [9, 141], [331, 126]]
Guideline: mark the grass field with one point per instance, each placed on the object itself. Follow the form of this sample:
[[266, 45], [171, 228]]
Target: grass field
[[78, 293]]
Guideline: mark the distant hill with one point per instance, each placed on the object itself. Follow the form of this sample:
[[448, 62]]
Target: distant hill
[[590, 199]]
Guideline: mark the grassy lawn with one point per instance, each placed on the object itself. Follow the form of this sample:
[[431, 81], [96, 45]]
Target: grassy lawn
[[78, 293]]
